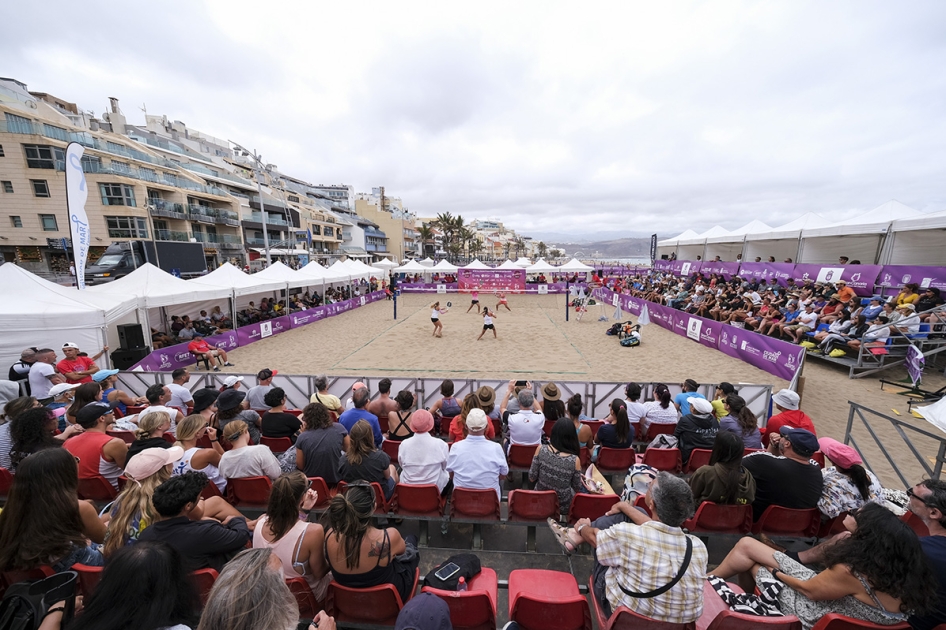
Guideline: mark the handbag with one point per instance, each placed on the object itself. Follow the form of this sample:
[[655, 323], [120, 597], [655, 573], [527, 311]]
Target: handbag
[[469, 567], [26, 604]]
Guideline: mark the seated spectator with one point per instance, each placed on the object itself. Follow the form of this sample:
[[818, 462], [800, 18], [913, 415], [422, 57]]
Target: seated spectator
[[928, 502], [299, 545], [458, 429], [574, 410], [806, 322], [363, 462], [245, 459], [277, 422], [203, 460], [231, 405], [909, 322], [551, 404], [929, 300], [149, 434], [556, 465], [323, 397], [251, 594], [233, 382], [740, 420], [99, 455], [203, 351], [909, 294], [659, 410], [635, 409], [723, 390], [12, 409], [422, 457], [361, 555], [219, 318], [789, 479], [43, 521], [873, 310], [877, 574], [446, 407], [840, 324], [203, 543], [486, 400], [84, 394], [682, 400], [158, 396], [181, 397], [34, 430], [320, 445], [526, 427], [847, 484], [188, 332], [636, 555], [160, 339], [724, 480], [616, 432], [696, 429], [427, 611], [786, 401], [383, 405], [111, 394], [158, 569], [400, 419], [476, 462], [358, 412], [61, 395], [177, 324], [256, 395], [350, 403]]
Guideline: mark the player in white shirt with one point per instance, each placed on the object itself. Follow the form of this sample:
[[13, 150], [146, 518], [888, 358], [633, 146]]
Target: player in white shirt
[[488, 316]]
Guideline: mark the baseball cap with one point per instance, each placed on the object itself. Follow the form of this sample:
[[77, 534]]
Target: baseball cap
[[204, 398], [229, 399], [101, 375], [841, 454], [909, 307], [266, 373], [424, 612], [701, 406], [61, 388], [230, 381], [92, 412], [476, 420], [786, 398], [70, 344], [803, 441], [151, 460]]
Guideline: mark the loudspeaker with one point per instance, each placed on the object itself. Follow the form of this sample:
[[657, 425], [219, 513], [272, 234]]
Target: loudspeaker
[[130, 336], [127, 357]]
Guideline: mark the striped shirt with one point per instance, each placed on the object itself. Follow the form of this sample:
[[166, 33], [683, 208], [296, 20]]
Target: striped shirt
[[646, 557]]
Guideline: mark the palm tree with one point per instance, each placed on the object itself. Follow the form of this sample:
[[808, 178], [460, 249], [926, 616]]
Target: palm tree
[[543, 249], [519, 243], [426, 235], [556, 253]]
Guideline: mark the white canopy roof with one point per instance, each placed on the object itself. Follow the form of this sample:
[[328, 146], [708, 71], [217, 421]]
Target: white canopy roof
[[932, 221], [278, 272], [412, 266], [157, 287], [476, 264], [384, 264], [875, 221], [241, 283], [445, 267], [523, 262], [753, 227], [541, 266], [575, 265], [344, 270], [359, 269], [427, 262], [714, 231], [686, 235], [790, 230], [508, 264]]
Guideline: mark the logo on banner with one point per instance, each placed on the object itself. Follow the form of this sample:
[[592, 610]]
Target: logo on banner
[[926, 283], [165, 362], [362, 300], [441, 288], [769, 355], [855, 277], [182, 357], [906, 278], [830, 274], [543, 289], [685, 269], [693, 329], [790, 363], [615, 299], [265, 329]]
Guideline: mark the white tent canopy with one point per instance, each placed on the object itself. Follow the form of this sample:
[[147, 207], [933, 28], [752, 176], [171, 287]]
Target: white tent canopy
[[859, 238], [523, 262], [508, 264], [226, 275], [445, 267], [686, 235], [412, 266], [157, 288], [541, 266], [476, 264], [790, 230], [917, 241], [875, 221], [384, 264], [427, 262], [753, 227], [278, 272], [343, 271], [575, 265]]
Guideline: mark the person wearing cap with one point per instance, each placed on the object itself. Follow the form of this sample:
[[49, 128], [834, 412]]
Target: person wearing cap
[[476, 462], [422, 457], [787, 403], [99, 454], [806, 322], [682, 400], [383, 404], [928, 502], [874, 308], [62, 395], [909, 322], [180, 395], [203, 351], [929, 299], [231, 405], [351, 416], [696, 429], [256, 395], [847, 484], [527, 426], [846, 294], [231, 382], [75, 368], [424, 612], [20, 371], [43, 374], [789, 479], [111, 394]]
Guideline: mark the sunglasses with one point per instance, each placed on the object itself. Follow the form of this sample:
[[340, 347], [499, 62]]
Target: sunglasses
[[914, 495]]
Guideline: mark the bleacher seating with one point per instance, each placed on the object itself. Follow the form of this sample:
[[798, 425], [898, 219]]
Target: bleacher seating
[[547, 600], [698, 457], [378, 605], [249, 492], [276, 445], [474, 504], [786, 522], [475, 608], [615, 461], [204, 581], [668, 459], [590, 506], [657, 429], [308, 606], [88, 578], [391, 447], [834, 621], [718, 616], [126, 436], [96, 489], [321, 488], [720, 519]]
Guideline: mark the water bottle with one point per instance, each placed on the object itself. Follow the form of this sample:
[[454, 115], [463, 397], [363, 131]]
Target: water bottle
[[461, 585]]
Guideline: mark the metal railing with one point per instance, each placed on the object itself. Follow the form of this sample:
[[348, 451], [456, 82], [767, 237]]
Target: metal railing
[[270, 219], [171, 235], [161, 208]]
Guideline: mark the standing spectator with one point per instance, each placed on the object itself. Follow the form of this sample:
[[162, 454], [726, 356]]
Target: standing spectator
[[358, 412], [76, 368], [791, 479], [256, 395], [422, 457], [696, 429], [659, 410], [20, 371], [787, 402], [319, 447], [740, 420], [277, 422], [476, 462], [724, 480], [99, 455], [43, 374], [556, 465], [244, 459], [682, 400], [847, 484], [180, 395], [363, 462]]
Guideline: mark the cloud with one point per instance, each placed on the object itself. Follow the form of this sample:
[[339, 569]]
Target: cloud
[[555, 118]]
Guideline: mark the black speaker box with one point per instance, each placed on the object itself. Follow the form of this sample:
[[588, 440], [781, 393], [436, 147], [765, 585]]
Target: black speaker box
[[130, 336], [127, 357]]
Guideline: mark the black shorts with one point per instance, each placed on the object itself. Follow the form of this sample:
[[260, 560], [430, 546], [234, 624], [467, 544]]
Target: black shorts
[[475, 302], [488, 327], [435, 319]]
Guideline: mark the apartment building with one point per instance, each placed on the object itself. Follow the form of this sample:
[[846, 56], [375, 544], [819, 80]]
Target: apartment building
[[135, 192], [393, 219]]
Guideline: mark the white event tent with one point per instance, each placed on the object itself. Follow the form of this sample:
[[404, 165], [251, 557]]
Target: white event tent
[[780, 242], [917, 241], [523, 262], [412, 266], [476, 264], [541, 266], [690, 248], [508, 264], [445, 267], [427, 262], [728, 246], [384, 264], [669, 245], [859, 238], [575, 265]]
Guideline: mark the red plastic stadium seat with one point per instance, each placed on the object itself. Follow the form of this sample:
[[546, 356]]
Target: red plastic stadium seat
[[547, 600], [170, 439], [204, 442], [475, 608], [818, 456], [626, 619], [723, 519], [591, 506], [210, 491], [9, 578], [125, 436], [915, 523], [594, 425], [204, 581], [832, 526], [391, 447], [276, 445], [380, 505], [96, 489], [497, 428], [445, 423], [584, 457], [131, 410], [249, 491], [698, 457], [520, 457], [658, 429], [296, 412], [668, 459], [834, 621], [474, 503], [322, 489], [718, 616], [782, 521], [88, 578], [418, 500], [309, 607], [6, 481], [616, 460], [378, 605], [533, 505], [547, 428]]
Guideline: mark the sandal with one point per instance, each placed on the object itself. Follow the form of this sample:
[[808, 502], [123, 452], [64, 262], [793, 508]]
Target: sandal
[[561, 535]]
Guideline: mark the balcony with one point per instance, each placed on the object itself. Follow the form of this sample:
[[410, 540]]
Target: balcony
[[146, 175], [273, 243], [162, 208], [223, 241], [201, 214], [255, 217], [171, 235]]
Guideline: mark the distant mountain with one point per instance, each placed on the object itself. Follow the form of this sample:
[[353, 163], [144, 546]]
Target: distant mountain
[[584, 238], [614, 248]]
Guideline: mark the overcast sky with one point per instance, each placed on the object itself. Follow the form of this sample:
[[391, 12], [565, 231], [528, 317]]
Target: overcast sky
[[624, 118]]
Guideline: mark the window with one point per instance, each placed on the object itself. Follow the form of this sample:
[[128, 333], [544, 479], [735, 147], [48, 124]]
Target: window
[[55, 132], [160, 225], [49, 222], [18, 124], [7, 186], [127, 227], [293, 198], [117, 195], [329, 231], [91, 164], [1, 150], [316, 230], [43, 156], [40, 187], [15, 221], [114, 147], [121, 167]]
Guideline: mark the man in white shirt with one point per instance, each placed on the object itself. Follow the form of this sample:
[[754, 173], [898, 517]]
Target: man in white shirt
[[43, 375], [909, 322], [476, 462], [180, 395], [526, 427], [158, 397], [422, 457], [807, 321]]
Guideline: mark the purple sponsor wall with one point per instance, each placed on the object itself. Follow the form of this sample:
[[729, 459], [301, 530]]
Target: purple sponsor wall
[[262, 330], [895, 276], [531, 287], [685, 267], [861, 278]]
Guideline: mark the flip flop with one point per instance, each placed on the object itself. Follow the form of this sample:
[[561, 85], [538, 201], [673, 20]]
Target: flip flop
[[561, 535]]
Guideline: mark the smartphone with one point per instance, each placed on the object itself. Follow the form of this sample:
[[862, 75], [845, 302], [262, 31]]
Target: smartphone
[[521, 383], [447, 571]]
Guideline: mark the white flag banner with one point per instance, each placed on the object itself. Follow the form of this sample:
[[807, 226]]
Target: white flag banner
[[77, 192]]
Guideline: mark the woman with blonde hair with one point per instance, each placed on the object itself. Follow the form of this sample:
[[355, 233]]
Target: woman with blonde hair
[[204, 460], [245, 459], [297, 543], [150, 433], [363, 462]]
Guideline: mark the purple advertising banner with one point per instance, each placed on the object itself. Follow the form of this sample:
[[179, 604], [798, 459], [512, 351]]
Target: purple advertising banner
[[307, 316], [725, 269], [661, 315], [861, 278], [663, 265], [680, 322], [895, 276], [685, 267], [705, 331], [766, 271], [261, 330], [226, 340], [492, 279]]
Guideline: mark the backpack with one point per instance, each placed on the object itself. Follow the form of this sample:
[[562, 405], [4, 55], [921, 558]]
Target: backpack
[[469, 567], [25, 604], [615, 329]]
